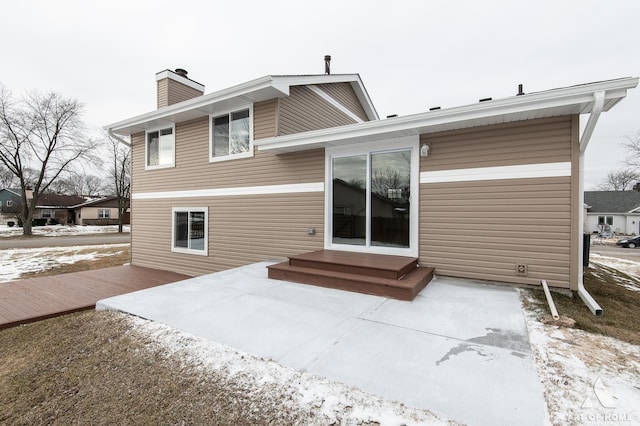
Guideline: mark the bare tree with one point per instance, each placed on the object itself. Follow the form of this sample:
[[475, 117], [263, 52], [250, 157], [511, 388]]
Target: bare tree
[[633, 150], [43, 134], [7, 179], [619, 180], [81, 185], [120, 170]]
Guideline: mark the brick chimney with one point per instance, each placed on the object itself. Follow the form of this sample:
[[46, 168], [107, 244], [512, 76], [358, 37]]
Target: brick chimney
[[175, 86]]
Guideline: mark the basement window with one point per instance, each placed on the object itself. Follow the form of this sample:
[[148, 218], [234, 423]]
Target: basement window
[[160, 148], [190, 230], [231, 135]]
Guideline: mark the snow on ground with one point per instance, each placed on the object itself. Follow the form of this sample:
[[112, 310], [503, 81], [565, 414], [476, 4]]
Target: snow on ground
[[60, 230], [587, 378], [630, 279], [334, 403], [15, 262]]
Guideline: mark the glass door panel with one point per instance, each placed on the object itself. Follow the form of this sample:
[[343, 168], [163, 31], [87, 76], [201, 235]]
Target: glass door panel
[[390, 193], [349, 200]]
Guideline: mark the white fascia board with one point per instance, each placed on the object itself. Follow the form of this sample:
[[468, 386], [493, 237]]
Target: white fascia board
[[572, 100], [285, 82], [277, 86], [237, 91]]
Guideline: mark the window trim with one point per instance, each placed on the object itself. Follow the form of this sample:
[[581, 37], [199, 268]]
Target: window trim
[[605, 221], [104, 210], [189, 210], [50, 213], [146, 148], [9, 203], [247, 154]]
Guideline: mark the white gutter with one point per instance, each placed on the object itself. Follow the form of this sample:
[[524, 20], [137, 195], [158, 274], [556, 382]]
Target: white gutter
[[598, 105], [565, 101]]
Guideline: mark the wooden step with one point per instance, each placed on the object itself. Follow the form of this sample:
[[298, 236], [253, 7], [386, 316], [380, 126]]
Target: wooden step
[[405, 288], [373, 265]]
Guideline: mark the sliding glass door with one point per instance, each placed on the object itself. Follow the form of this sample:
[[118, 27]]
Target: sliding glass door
[[370, 199]]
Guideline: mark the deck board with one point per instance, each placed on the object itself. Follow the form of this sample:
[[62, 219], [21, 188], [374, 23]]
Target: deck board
[[34, 299]]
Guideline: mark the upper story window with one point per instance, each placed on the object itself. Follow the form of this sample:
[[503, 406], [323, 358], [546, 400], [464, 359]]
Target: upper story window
[[161, 148], [231, 135]]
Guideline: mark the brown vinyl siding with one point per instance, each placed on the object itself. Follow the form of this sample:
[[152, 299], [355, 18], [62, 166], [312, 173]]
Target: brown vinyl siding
[[171, 92], [242, 230], [523, 142], [303, 111], [163, 92], [194, 171], [345, 95], [482, 229], [265, 119]]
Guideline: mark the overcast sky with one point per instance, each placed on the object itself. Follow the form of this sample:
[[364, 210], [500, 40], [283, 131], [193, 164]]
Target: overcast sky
[[411, 55]]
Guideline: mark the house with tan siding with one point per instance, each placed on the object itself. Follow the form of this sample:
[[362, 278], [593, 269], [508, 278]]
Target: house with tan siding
[[100, 211], [287, 165]]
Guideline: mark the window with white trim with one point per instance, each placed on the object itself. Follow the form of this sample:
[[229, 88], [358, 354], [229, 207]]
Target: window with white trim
[[605, 220], [160, 147], [190, 230], [9, 203], [231, 135], [104, 213], [47, 213]]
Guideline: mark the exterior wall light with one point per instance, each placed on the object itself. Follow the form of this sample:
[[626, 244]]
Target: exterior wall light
[[425, 149]]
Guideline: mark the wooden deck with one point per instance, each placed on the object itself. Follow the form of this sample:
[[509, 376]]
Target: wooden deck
[[35, 299], [397, 277]]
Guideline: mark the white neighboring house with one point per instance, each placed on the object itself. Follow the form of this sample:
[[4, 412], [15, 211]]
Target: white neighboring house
[[620, 210]]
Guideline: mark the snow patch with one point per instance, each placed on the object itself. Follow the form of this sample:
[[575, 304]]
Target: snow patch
[[15, 262], [587, 378], [59, 230]]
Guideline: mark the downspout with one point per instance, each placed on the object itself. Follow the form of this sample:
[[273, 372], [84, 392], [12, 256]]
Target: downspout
[[118, 138], [598, 105]]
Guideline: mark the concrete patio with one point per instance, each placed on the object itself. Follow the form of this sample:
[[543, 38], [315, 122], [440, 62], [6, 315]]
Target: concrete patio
[[460, 349]]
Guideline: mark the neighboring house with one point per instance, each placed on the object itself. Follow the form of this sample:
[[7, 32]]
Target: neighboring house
[[9, 205], [102, 211], [262, 170], [57, 208], [54, 208], [619, 210]]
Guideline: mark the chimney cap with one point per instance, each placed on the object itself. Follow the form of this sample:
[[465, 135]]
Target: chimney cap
[[327, 64], [181, 71]]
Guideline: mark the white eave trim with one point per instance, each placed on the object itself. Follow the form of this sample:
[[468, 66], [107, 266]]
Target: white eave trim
[[564, 101], [270, 87], [195, 103]]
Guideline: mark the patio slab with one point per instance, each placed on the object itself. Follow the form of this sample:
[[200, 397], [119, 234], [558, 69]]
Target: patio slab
[[460, 349]]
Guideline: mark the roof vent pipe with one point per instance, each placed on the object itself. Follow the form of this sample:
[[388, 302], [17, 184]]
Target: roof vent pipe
[[181, 72], [327, 64], [520, 90]]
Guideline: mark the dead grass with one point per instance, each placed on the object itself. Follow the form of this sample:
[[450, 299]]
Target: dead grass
[[621, 313], [90, 368], [113, 256]]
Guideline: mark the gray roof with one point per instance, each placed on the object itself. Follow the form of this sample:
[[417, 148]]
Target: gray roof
[[611, 201]]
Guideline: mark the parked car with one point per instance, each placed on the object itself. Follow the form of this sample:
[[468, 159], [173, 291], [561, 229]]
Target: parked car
[[631, 242]]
